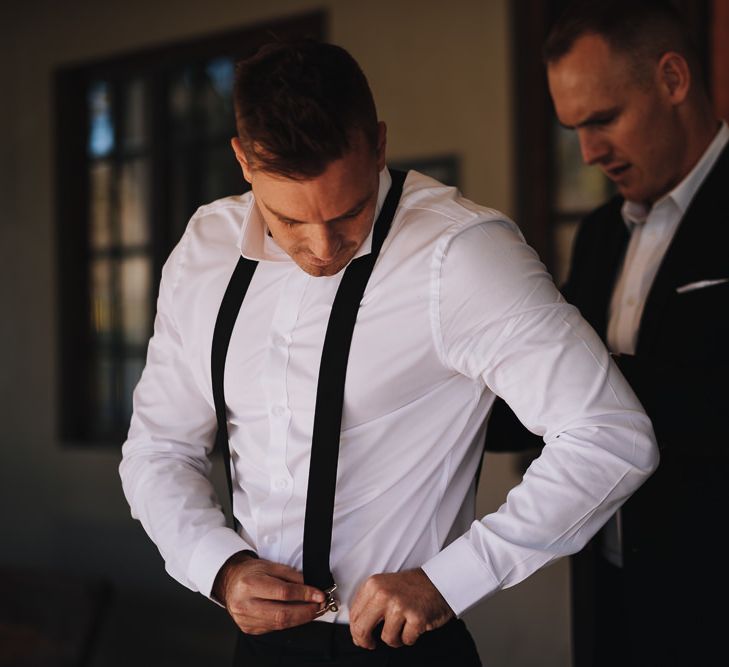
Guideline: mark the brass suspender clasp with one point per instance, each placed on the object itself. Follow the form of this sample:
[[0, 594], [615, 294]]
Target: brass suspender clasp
[[331, 603]]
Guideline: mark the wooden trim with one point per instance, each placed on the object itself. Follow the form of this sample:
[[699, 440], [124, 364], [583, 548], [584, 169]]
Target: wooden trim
[[237, 43], [531, 20], [720, 57], [76, 362], [72, 233]]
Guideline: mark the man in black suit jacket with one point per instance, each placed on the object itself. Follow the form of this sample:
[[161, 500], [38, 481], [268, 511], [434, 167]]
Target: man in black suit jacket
[[650, 272]]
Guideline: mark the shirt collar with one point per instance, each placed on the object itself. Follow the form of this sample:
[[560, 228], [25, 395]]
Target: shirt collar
[[257, 244], [636, 213]]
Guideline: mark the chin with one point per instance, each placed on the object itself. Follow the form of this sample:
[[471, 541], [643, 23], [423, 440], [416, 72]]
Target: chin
[[322, 271], [640, 193], [631, 194]]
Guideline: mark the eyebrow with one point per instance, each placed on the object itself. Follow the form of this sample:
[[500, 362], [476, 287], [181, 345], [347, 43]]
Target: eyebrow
[[348, 213]]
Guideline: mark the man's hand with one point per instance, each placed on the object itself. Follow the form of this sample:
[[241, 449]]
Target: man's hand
[[262, 596], [407, 602]]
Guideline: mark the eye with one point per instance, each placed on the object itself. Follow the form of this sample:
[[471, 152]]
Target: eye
[[352, 215], [603, 121]]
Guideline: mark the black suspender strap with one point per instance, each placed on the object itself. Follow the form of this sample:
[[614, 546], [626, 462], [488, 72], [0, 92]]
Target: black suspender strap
[[330, 399], [330, 389], [227, 315]]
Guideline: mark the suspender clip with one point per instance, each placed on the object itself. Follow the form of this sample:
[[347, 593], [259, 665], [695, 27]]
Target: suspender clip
[[331, 603]]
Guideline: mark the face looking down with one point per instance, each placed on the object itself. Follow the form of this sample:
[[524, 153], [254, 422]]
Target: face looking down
[[628, 122], [321, 222]]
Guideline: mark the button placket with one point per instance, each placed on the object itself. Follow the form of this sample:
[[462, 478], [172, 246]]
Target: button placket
[[276, 368]]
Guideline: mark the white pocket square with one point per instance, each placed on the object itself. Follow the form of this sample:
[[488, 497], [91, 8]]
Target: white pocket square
[[700, 284]]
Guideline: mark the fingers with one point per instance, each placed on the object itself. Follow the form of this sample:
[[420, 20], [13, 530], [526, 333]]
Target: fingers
[[284, 572], [397, 629], [407, 602], [263, 616], [267, 587], [392, 630], [362, 621], [265, 580], [262, 596], [411, 631]]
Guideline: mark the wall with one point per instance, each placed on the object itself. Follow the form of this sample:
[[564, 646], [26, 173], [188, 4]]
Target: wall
[[440, 74]]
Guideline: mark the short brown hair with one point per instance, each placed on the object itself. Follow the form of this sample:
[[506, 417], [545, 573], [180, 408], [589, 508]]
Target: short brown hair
[[299, 105], [642, 29]]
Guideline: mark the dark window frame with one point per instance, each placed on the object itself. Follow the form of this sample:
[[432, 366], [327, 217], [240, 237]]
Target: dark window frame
[[72, 193]]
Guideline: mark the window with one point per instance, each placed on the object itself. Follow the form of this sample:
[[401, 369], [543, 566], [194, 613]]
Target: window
[[142, 141], [578, 189]]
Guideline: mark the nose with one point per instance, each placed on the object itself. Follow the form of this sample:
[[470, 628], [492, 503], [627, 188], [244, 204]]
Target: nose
[[324, 243], [594, 148]]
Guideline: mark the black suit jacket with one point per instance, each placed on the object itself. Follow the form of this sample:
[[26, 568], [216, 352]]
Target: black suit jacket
[[672, 526]]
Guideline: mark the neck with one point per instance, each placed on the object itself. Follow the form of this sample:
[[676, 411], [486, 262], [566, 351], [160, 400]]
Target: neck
[[701, 129]]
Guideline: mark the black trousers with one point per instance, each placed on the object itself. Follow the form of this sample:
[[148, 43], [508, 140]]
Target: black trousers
[[320, 644], [685, 633], [667, 606]]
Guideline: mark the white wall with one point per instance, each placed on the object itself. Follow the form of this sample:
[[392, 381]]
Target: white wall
[[441, 76]]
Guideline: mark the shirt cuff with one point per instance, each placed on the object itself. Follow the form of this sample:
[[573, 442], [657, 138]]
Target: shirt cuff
[[210, 555], [461, 576]]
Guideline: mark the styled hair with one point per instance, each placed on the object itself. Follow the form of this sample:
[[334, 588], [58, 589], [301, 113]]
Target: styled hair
[[643, 30], [300, 105]]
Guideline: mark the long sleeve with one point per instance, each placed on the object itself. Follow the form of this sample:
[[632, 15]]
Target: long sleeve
[[503, 322], [165, 463]]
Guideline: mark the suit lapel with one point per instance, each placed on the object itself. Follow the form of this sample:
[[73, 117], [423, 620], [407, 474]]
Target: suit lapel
[[608, 266], [597, 255], [701, 234]]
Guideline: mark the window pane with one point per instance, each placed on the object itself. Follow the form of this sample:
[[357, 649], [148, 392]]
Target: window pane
[[181, 104], [132, 372], [134, 203], [135, 115], [201, 102], [179, 207], [101, 125], [216, 97], [100, 205], [103, 395], [564, 236], [135, 278], [102, 299], [222, 176], [579, 188]]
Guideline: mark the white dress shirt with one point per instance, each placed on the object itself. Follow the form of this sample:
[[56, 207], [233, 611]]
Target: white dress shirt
[[651, 232], [458, 309]]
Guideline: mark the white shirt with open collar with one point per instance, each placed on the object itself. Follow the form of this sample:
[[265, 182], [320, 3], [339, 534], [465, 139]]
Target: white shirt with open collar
[[458, 309]]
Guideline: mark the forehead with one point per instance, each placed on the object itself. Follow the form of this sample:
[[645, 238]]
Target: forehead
[[590, 77], [344, 184]]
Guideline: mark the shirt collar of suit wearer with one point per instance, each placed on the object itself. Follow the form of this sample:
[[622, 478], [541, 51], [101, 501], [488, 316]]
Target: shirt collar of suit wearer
[[257, 244], [636, 213]]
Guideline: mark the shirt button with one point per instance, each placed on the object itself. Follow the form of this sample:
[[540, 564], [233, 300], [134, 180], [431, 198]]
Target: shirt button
[[280, 341], [278, 411], [270, 539], [282, 483]]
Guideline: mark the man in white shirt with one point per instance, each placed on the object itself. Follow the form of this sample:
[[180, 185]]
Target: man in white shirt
[[369, 486], [650, 271]]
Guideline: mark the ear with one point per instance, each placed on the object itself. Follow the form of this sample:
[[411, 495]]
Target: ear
[[674, 76], [381, 145], [241, 157]]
